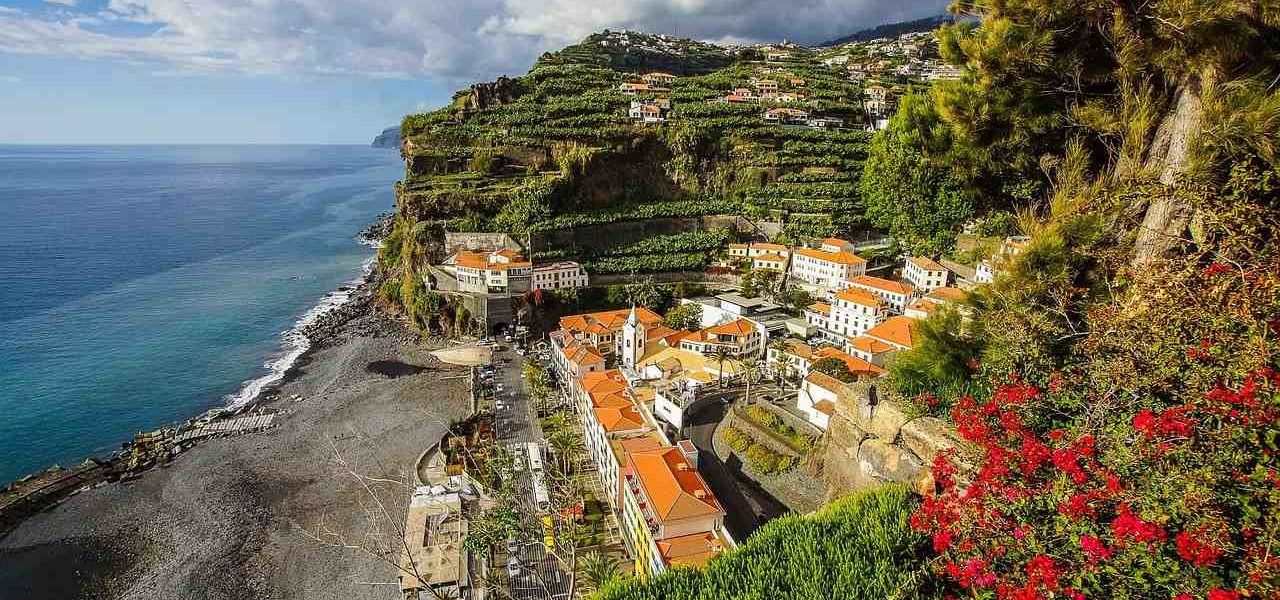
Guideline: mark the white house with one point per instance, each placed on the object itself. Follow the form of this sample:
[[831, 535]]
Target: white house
[[924, 273], [826, 268], [754, 249], [558, 275], [895, 293], [501, 271], [854, 311], [817, 398]]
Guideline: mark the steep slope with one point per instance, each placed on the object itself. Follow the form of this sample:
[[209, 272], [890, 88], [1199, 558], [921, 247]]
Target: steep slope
[[556, 148]]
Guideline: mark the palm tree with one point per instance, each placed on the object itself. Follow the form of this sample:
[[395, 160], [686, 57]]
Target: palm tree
[[721, 355], [598, 570], [780, 362], [566, 443], [751, 373]]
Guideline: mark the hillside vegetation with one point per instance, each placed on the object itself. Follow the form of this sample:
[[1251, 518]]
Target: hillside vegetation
[[1120, 379], [858, 547], [556, 149]]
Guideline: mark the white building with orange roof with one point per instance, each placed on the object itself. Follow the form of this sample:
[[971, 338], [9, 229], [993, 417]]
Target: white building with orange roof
[[858, 366], [921, 308], [818, 314], [924, 273], [895, 293], [670, 517], [988, 269], [770, 262], [944, 295], [826, 268], [835, 244], [869, 349], [573, 358], [742, 338], [854, 311], [898, 332], [609, 410], [601, 329], [754, 249], [497, 272], [816, 399], [559, 275]]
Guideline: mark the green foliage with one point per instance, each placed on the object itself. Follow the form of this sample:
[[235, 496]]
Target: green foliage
[[761, 459], [834, 367], [941, 362], [769, 420], [648, 263], [737, 439], [904, 192], [685, 316], [860, 547]]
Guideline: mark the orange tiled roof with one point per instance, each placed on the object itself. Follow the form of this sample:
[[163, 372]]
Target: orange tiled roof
[[870, 345], [825, 407], [856, 365], [895, 287], [658, 332], [824, 381], [924, 305], [927, 263], [799, 349], [895, 330], [947, 294], [843, 257], [736, 328], [580, 354], [772, 257], [693, 550], [834, 241], [821, 307], [603, 382], [609, 320], [673, 485], [859, 296]]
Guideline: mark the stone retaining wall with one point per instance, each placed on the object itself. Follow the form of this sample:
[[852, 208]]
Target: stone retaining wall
[[873, 440]]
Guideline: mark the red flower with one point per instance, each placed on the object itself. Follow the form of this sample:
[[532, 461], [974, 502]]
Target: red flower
[[1145, 422], [1094, 549], [1218, 594], [1212, 270], [1196, 551], [1184, 597], [1066, 461], [1126, 525], [942, 541], [1042, 572]]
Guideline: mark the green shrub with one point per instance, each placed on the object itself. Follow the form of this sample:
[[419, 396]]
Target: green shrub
[[737, 439], [761, 459], [860, 547]]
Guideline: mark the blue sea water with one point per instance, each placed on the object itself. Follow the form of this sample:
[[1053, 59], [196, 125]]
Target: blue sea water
[[142, 285]]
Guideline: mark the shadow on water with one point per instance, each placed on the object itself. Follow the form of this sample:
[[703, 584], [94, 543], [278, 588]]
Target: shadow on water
[[393, 368]]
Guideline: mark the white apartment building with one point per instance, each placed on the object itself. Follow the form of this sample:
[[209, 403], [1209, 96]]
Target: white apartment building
[[895, 293], [854, 311], [924, 273], [824, 268], [558, 275]]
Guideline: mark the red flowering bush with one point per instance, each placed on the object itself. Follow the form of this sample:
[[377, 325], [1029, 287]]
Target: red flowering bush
[[1143, 470]]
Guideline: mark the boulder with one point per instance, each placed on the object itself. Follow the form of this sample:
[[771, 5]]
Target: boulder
[[929, 436], [887, 462]]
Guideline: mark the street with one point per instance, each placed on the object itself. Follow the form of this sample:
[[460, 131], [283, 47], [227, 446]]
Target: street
[[540, 576], [747, 507]]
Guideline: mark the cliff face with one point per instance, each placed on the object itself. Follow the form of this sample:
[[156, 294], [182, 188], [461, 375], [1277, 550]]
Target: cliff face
[[389, 138]]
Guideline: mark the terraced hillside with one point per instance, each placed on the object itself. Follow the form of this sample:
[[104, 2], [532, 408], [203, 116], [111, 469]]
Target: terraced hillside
[[556, 149]]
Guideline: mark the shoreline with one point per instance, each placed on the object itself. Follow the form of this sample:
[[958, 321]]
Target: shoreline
[[234, 504]]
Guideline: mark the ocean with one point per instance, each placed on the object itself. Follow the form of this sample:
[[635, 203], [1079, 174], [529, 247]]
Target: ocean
[[143, 285]]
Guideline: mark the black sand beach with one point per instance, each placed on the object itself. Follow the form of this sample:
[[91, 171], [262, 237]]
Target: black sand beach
[[225, 519]]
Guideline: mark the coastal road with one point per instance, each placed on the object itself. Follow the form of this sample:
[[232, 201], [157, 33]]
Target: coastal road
[[747, 507], [540, 575]]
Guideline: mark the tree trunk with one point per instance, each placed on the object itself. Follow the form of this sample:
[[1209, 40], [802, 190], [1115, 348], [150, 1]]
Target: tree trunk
[[1165, 220]]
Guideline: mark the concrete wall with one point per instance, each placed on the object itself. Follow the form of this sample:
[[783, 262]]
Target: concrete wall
[[873, 440], [616, 234], [454, 242], [729, 279]]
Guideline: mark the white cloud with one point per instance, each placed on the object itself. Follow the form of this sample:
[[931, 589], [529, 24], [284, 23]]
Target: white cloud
[[447, 39], [10, 79], [64, 2]]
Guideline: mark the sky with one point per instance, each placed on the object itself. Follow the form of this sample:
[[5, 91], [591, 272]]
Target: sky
[[326, 71]]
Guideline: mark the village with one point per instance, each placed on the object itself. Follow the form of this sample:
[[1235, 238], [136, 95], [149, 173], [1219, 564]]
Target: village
[[617, 427]]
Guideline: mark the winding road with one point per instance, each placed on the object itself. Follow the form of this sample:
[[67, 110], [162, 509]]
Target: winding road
[[746, 504]]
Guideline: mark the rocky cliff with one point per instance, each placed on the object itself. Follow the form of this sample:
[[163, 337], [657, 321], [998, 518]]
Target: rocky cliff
[[874, 440], [389, 138]]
